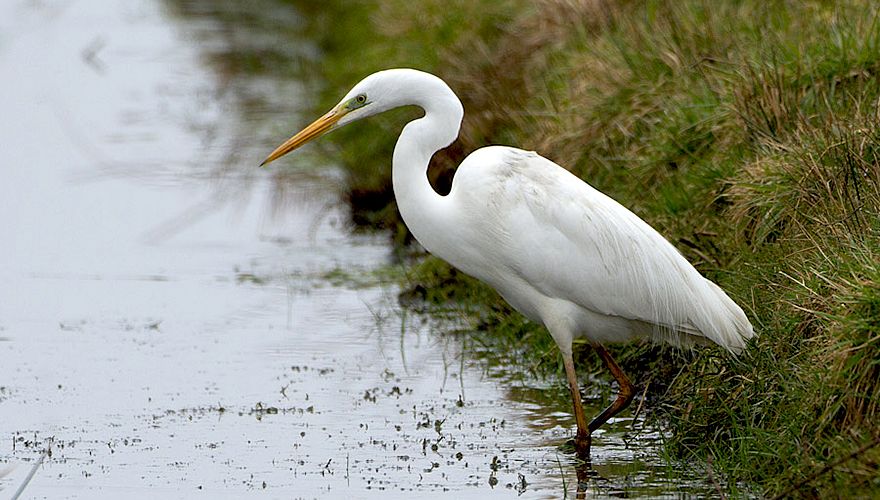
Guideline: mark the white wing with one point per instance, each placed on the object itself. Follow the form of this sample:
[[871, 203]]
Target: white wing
[[569, 241]]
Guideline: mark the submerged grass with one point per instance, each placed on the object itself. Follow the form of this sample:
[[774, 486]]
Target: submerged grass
[[747, 132]]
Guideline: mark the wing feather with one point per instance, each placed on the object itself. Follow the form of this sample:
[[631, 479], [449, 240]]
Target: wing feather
[[570, 241]]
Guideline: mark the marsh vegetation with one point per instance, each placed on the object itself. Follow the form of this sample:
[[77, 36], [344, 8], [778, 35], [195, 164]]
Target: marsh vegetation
[[746, 132]]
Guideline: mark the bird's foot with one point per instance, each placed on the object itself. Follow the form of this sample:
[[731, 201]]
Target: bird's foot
[[580, 445]]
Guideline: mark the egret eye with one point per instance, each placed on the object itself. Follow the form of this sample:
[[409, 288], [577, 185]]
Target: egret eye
[[356, 102]]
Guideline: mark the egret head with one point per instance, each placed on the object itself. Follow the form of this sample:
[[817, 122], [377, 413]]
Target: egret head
[[376, 93], [366, 98]]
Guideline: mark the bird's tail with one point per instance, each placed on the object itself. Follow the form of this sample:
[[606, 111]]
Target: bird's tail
[[712, 317], [723, 321]]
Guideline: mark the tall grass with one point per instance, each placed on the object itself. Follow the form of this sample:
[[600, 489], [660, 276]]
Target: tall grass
[[747, 132]]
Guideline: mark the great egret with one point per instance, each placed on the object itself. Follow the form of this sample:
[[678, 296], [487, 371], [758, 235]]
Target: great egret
[[559, 251]]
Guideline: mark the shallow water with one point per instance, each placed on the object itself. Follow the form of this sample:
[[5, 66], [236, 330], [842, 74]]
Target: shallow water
[[168, 318]]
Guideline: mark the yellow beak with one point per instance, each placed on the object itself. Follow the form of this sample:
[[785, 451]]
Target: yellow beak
[[318, 127]]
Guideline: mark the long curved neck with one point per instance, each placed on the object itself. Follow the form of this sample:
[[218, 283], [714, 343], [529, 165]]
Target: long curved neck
[[425, 212]]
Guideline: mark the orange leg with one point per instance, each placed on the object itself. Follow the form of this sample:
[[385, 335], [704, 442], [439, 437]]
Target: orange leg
[[582, 439], [624, 396]]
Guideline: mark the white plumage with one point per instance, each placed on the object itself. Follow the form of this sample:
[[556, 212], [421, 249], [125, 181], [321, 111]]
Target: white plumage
[[559, 251], [559, 248]]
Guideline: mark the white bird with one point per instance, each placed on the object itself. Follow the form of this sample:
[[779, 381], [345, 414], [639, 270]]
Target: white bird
[[558, 250]]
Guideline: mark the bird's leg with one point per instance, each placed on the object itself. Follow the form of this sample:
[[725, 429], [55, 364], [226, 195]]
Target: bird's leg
[[625, 394], [582, 439]]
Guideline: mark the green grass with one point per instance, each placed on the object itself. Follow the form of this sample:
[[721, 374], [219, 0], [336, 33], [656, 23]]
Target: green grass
[[747, 132]]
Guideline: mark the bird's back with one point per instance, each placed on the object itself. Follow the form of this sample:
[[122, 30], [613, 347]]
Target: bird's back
[[549, 242]]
